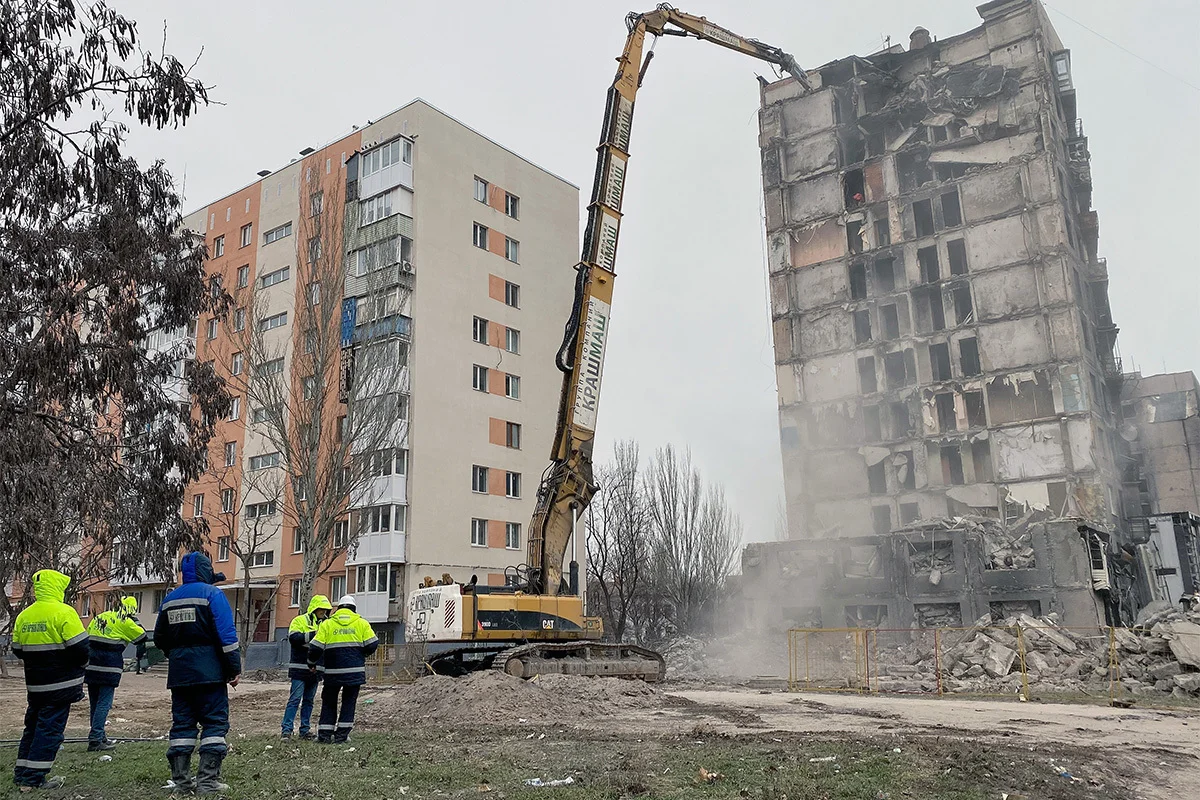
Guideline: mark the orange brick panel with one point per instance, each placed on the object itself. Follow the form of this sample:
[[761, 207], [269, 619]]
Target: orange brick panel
[[496, 242], [496, 431], [496, 535], [495, 384], [495, 578], [496, 197], [822, 243], [496, 483], [496, 334], [496, 287]]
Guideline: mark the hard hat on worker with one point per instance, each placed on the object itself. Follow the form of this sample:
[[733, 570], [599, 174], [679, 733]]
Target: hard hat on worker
[[347, 601]]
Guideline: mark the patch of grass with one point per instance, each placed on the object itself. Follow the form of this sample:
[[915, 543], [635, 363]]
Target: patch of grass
[[423, 762]]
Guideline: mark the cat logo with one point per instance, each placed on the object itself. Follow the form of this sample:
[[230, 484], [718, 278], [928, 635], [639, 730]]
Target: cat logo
[[547, 624]]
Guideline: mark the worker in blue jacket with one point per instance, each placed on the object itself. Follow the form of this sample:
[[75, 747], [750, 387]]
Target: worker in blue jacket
[[195, 631]]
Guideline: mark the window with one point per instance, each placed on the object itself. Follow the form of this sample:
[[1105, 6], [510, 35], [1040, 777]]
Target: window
[[223, 548], [881, 518], [275, 234], [264, 461], [512, 435], [308, 387], [858, 281], [247, 235], [316, 204], [479, 533], [946, 418], [889, 319], [257, 510], [896, 371], [512, 294], [923, 217], [219, 247], [377, 519], [512, 205], [376, 208], [212, 329], [341, 427], [159, 596], [956, 252], [512, 387], [481, 189], [272, 322], [479, 330], [235, 408], [866, 375], [927, 258], [198, 505], [385, 156], [939, 361], [479, 378], [479, 236], [401, 461], [877, 477], [230, 453], [885, 275], [901, 420], [337, 586], [272, 278], [341, 536], [512, 535], [963, 308], [512, 250], [872, 423], [479, 479], [952, 467], [951, 210], [372, 579], [968, 357], [512, 341], [243, 276], [262, 558], [296, 594], [399, 518], [512, 484], [239, 319], [314, 293], [379, 464], [314, 249], [976, 416], [883, 233], [228, 500], [381, 254], [310, 341], [862, 326], [261, 414]]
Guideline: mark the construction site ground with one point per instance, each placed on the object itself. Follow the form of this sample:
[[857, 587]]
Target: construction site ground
[[486, 735]]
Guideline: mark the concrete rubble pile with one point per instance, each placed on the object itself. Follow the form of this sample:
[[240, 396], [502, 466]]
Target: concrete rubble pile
[[1160, 657], [738, 656]]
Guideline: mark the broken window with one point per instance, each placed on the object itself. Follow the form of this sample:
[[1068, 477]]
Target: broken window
[[976, 418], [1020, 397], [1005, 609], [876, 144], [854, 237], [951, 210], [926, 557], [931, 315], [963, 308], [862, 326], [866, 375], [909, 512], [854, 188], [1006, 549], [858, 281], [968, 357], [1056, 493], [948, 172], [923, 218], [881, 516], [889, 320], [877, 477], [854, 146], [901, 420], [981, 460], [872, 424], [902, 463], [883, 233], [946, 418], [938, 615], [885, 275], [939, 361], [952, 466], [861, 561], [927, 259], [956, 252], [914, 172], [866, 616], [895, 371], [938, 133]]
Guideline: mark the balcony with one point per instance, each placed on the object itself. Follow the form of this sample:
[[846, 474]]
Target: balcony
[[376, 607], [379, 547], [144, 576], [394, 325]]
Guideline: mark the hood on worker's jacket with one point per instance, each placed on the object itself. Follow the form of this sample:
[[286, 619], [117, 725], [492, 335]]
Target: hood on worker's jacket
[[196, 567], [319, 601], [50, 584], [129, 605], [343, 616]]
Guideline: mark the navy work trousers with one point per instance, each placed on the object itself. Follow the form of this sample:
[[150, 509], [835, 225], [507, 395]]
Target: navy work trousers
[[44, 726], [335, 726], [199, 717]]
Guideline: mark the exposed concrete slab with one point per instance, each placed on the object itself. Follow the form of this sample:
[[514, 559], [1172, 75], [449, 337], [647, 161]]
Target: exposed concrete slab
[[818, 243], [813, 199], [1013, 343], [1004, 293], [808, 114], [998, 151], [808, 157], [1030, 451]]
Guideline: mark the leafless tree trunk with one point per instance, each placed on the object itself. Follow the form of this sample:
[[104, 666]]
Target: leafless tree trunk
[[618, 531], [342, 409]]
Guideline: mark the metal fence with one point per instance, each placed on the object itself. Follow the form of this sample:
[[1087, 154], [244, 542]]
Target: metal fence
[[397, 663], [1016, 661]]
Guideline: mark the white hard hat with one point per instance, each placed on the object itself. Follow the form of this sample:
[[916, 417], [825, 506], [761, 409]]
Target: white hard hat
[[347, 600]]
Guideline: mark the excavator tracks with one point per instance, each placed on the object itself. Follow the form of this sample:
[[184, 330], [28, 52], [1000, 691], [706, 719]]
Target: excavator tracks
[[595, 659]]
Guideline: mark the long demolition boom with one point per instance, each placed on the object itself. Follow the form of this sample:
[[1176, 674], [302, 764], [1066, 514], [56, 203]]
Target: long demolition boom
[[567, 488]]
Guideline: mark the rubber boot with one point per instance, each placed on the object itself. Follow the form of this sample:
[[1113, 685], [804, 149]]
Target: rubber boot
[[208, 776], [181, 773]]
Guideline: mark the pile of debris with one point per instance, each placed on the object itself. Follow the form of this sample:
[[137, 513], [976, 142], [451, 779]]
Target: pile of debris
[[1161, 657], [743, 655]]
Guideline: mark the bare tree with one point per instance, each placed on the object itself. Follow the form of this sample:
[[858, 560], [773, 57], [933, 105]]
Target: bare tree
[[339, 415], [618, 537], [694, 538]]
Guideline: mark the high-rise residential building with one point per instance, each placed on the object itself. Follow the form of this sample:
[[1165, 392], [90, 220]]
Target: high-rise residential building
[[459, 258], [942, 331]]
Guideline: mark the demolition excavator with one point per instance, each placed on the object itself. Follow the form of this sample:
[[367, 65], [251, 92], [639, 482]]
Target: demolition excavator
[[536, 623]]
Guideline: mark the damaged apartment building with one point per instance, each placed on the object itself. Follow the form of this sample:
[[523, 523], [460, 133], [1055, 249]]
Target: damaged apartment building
[[945, 353]]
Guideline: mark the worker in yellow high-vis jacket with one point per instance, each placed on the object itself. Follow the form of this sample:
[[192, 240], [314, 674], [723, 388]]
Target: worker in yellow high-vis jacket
[[108, 635]]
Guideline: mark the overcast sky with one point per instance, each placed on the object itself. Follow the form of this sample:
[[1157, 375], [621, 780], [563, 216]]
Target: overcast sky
[[690, 359]]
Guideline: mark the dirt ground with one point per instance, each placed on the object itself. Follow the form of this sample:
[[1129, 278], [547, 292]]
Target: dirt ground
[[1148, 754]]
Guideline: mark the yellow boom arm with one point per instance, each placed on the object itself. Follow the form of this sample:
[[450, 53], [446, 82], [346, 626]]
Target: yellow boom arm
[[567, 487]]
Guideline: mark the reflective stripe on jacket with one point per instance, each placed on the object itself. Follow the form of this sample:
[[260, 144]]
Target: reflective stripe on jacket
[[300, 634], [195, 629], [108, 634], [343, 643], [49, 637]]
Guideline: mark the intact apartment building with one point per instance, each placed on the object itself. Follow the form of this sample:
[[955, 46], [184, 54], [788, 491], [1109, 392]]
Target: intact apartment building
[[470, 248], [943, 340]]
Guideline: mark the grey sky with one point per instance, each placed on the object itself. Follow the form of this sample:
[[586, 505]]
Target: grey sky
[[690, 358]]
